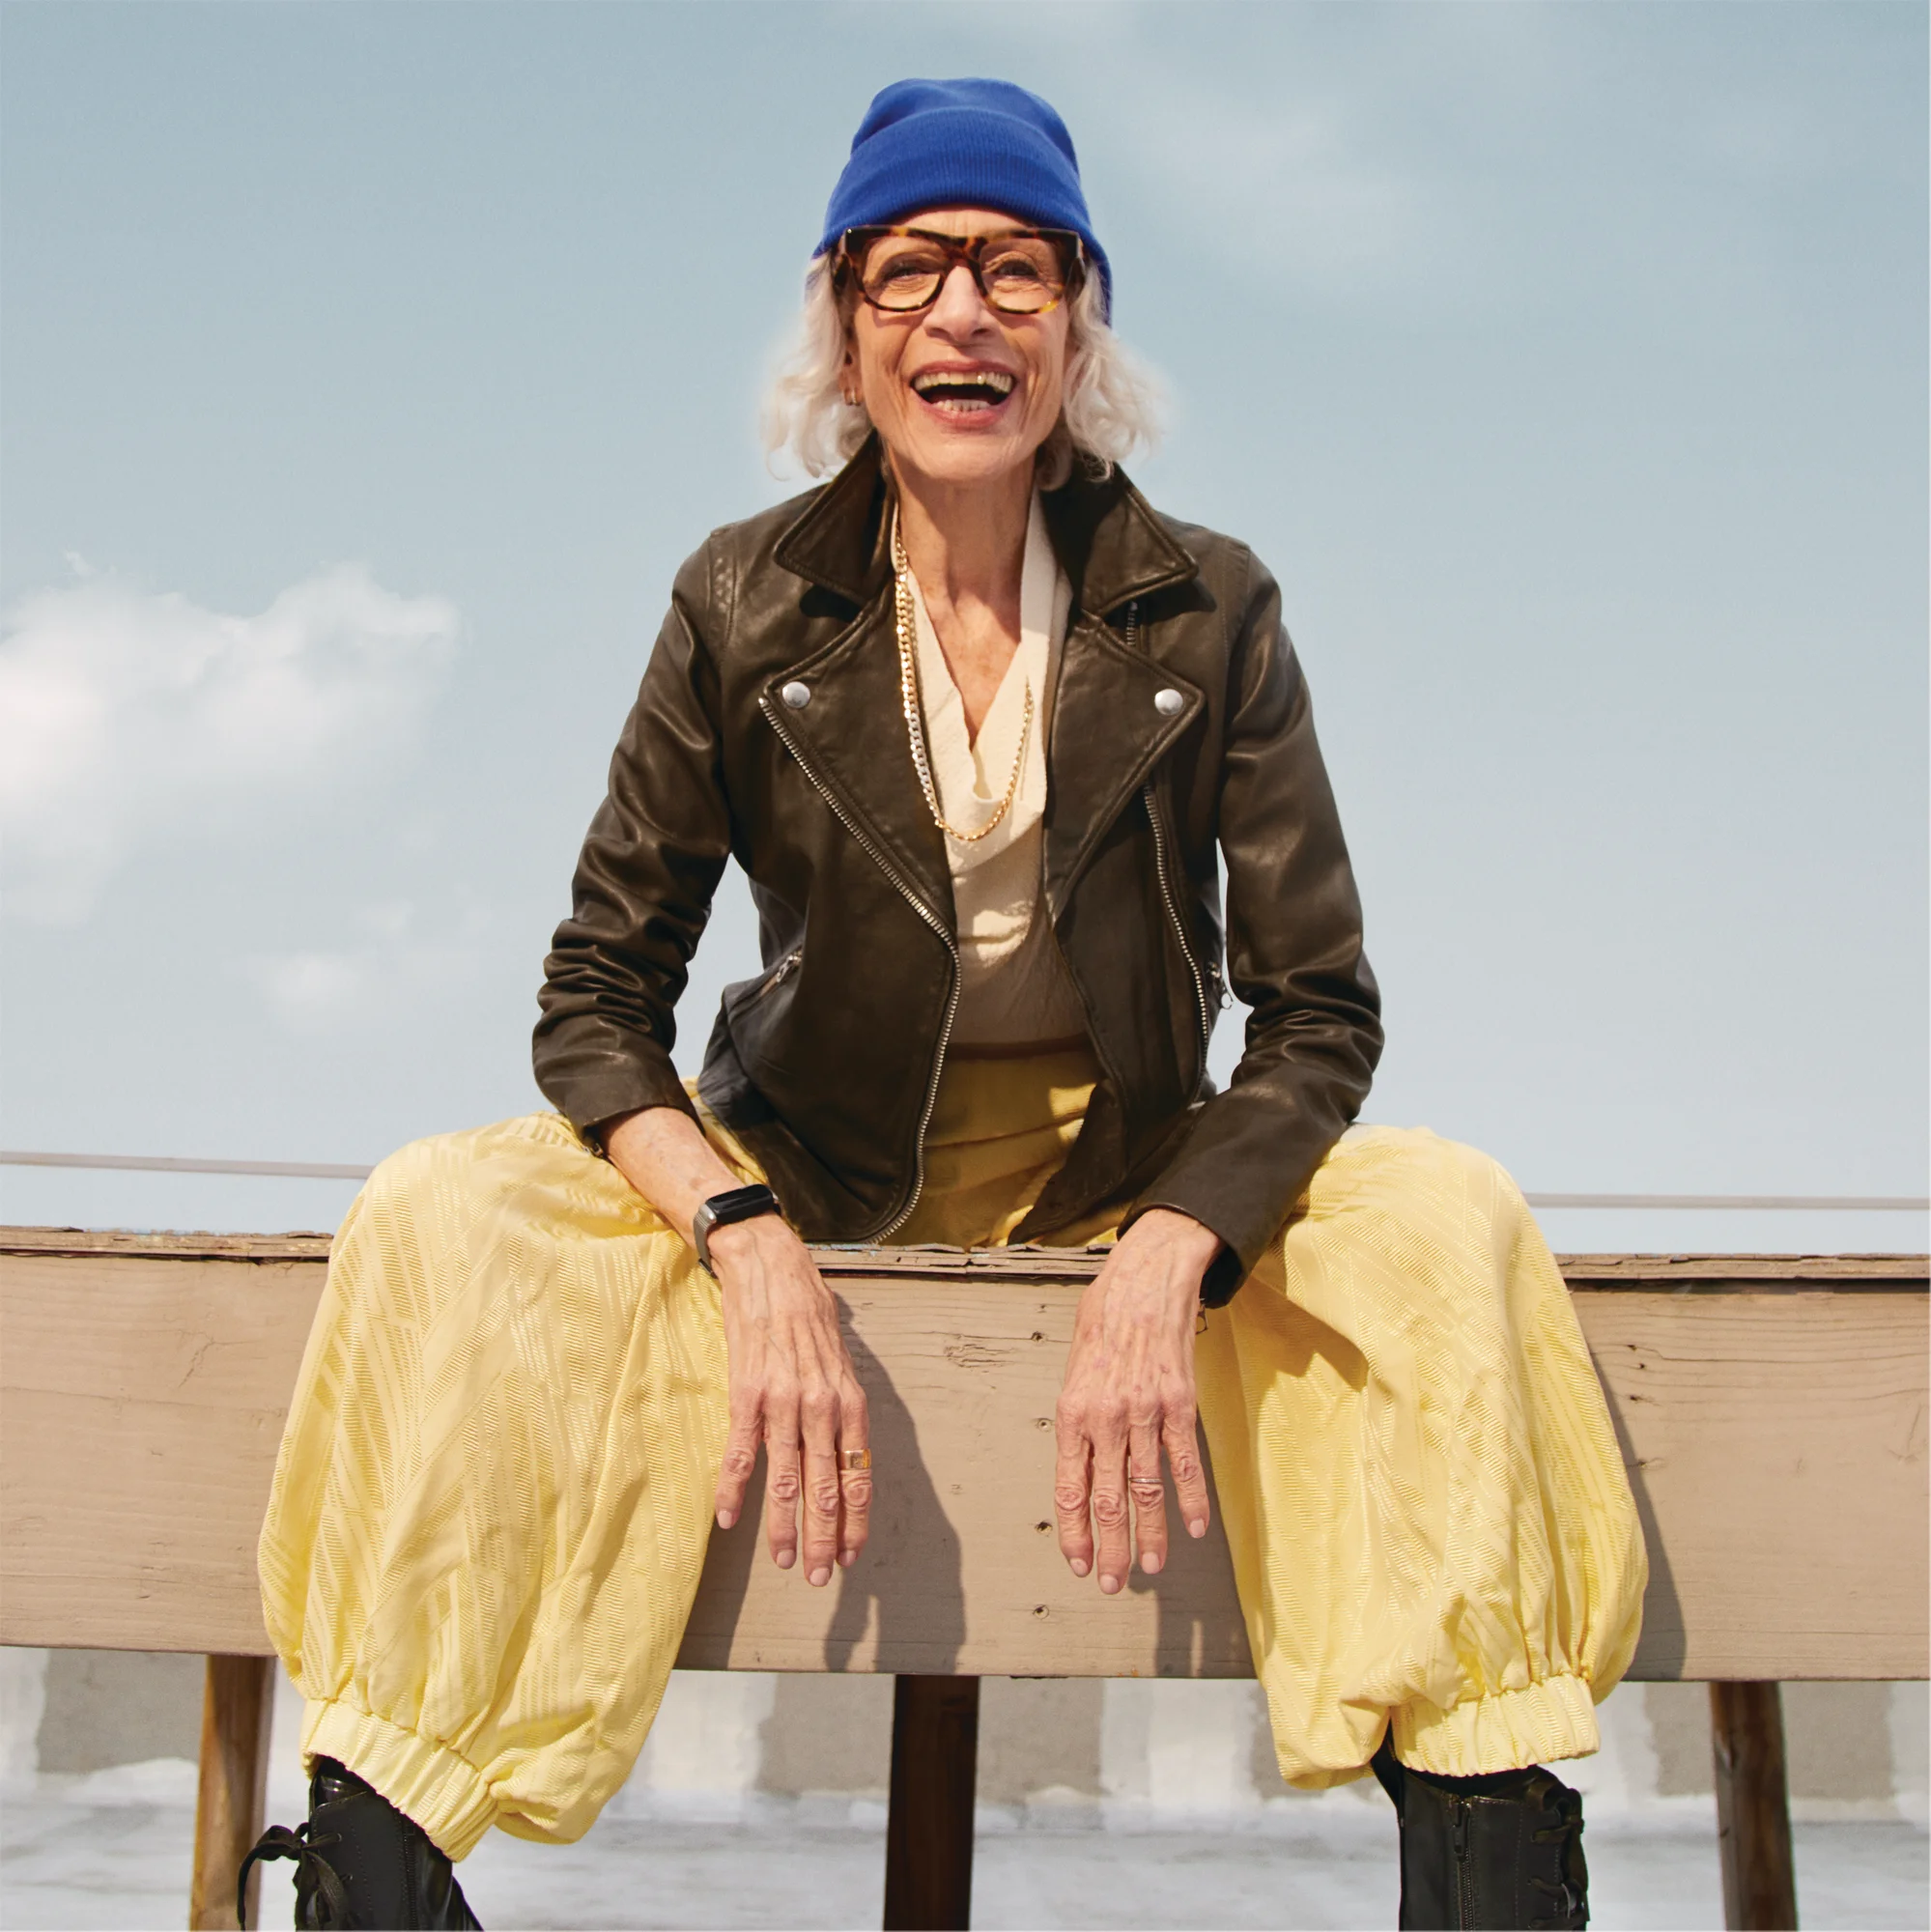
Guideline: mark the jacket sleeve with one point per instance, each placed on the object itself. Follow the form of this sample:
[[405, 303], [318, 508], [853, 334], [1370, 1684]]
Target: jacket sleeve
[[1294, 959], [650, 863]]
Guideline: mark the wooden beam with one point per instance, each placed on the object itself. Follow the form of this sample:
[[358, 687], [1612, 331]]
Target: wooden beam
[[141, 1405], [929, 1832], [1775, 1440], [1752, 1808], [1772, 1412], [236, 1710]]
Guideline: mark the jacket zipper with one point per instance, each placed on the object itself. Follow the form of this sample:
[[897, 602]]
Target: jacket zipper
[[931, 918], [779, 974], [1201, 1021]]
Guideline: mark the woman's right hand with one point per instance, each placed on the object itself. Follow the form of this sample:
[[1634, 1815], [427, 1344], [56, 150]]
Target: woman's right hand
[[793, 1389]]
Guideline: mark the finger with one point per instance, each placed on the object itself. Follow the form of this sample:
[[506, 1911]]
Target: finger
[[820, 1418], [1181, 1435], [1149, 1496], [1073, 1490], [740, 1463], [854, 1485], [1110, 1513], [782, 1482]]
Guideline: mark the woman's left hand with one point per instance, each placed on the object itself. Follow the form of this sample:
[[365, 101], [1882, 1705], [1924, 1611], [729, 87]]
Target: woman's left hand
[[1128, 1398]]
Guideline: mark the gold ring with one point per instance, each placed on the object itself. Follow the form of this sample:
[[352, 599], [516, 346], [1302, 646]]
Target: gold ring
[[854, 1458]]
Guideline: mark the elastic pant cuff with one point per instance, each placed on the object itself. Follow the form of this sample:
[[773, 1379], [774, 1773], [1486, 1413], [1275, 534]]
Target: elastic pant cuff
[[1508, 1731], [426, 1783]]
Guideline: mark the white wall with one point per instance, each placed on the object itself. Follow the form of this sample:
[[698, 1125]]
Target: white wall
[[1128, 1748], [23, 1698]]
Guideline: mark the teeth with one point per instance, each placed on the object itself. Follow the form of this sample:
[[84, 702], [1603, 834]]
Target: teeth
[[995, 380]]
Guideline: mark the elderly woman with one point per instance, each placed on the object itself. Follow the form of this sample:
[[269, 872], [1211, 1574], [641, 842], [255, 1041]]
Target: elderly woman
[[978, 723]]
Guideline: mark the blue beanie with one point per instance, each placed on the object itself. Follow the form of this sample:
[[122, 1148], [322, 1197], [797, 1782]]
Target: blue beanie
[[962, 144]]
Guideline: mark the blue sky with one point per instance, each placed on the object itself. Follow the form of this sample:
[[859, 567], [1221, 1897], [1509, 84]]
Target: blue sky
[[369, 369]]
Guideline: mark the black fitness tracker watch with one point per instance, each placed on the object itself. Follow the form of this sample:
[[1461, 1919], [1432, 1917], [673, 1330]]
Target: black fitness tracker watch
[[736, 1203]]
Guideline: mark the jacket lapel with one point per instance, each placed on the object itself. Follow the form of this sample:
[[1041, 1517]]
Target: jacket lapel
[[851, 740], [1108, 733]]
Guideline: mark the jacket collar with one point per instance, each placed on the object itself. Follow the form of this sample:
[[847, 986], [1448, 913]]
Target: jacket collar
[[1108, 730], [1109, 542], [840, 542]]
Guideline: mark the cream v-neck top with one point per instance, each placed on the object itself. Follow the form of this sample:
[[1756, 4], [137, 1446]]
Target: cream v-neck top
[[1013, 986]]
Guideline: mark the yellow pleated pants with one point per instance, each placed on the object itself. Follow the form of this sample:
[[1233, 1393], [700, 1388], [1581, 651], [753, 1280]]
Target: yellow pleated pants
[[493, 1494]]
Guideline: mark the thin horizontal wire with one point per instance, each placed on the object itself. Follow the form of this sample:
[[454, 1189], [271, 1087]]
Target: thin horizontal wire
[[155, 1163], [1860, 1204], [307, 1170]]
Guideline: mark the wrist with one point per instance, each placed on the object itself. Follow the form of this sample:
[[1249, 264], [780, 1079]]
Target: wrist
[[1179, 1232], [1189, 1248], [729, 1209], [740, 1240]]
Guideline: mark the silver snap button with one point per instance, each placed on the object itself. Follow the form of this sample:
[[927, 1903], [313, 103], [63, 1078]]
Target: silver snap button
[[1169, 703], [797, 695]]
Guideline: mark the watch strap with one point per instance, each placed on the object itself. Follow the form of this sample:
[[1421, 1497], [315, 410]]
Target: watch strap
[[721, 1210]]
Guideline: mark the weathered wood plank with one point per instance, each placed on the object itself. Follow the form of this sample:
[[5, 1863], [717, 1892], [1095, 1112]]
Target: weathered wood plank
[[1719, 1273], [962, 1376], [1775, 1443], [1651, 1270], [166, 1244], [1774, 1431], [141, 1404]]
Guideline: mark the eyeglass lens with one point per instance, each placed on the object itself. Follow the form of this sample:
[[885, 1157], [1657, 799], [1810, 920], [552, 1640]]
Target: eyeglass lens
[[1021, 274]]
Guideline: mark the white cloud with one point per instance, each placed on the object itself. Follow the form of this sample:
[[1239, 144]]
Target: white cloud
[[128, 719], [389, 955], [307, 988]]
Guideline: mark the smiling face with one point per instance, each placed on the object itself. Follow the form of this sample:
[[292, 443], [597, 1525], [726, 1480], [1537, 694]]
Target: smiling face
[[961, 393]]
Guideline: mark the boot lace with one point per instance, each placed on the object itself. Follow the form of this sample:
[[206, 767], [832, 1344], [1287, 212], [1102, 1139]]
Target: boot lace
[[320, 1898], [1570, 1905]]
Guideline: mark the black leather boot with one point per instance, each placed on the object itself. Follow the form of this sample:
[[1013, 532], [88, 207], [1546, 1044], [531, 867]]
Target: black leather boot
[[361, 1866], [1503, 1851]]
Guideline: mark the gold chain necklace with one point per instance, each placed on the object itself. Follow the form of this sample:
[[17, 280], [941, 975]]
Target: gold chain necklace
[[915, 712]]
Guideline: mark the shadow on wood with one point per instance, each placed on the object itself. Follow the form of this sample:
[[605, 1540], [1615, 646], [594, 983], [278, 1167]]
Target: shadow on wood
[[963, 1575], [1662, 1633], [911, 1538]]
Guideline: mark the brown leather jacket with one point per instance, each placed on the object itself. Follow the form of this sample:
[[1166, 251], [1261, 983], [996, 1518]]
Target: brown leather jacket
[[769, 729]]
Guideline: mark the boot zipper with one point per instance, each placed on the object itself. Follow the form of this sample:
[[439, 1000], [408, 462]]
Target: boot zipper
[[930, 918], [1201, 1019], [1465, 1890]]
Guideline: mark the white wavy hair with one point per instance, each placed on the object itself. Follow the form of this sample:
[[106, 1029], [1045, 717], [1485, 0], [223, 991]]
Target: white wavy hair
[[1111, 400]]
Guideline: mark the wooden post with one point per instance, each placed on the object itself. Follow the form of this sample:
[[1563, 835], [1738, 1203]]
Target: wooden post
[[929, 1828], [1752, 1808], [235, 1711]]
